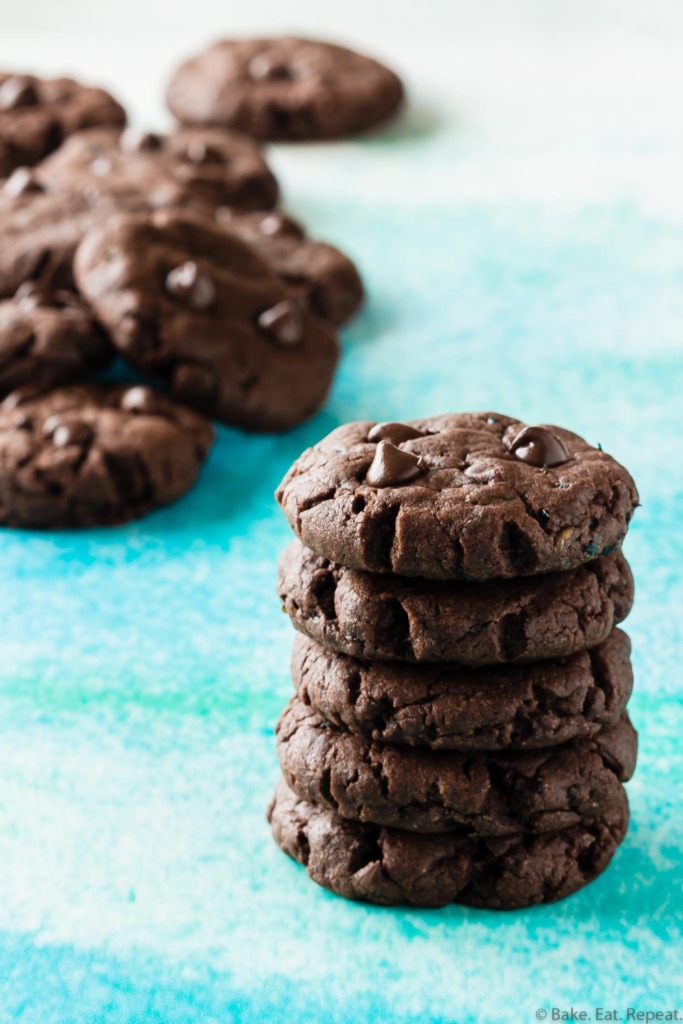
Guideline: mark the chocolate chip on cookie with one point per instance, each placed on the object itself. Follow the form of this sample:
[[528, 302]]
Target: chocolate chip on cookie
[[190, 165], [471, 509], [361, 861], [94, 455], [314, 272], [232, 344], [284, 88], [486, 792], [36, 115], [48, 338], [382, 616], [450, 707]]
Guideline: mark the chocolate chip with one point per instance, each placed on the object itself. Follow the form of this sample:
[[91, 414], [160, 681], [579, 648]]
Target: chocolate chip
[[21, 182], [134, 141], [199, 152], [140, 399], [18, 396], [30, 295], [194, 382], [188, 283], [394, 432], [65, 431], [392, 466], [17, 91], [279, 224], [269, 67], [283, 323], [101, 166], [539, 447]]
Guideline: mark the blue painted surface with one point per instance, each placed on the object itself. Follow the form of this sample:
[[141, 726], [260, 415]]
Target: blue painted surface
[[143, 668]]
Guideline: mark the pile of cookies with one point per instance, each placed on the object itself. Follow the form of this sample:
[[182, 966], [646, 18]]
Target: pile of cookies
[[167, 252], [459, 731]]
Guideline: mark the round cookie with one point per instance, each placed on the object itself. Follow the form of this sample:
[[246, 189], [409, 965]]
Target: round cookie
[[48, 338], [314, 272], [94, 455], [37, 114], [387, 617], [209, 166], [447, 707], [195, 304], [388, 866], [488, 793], [463, 496], [284, 89]]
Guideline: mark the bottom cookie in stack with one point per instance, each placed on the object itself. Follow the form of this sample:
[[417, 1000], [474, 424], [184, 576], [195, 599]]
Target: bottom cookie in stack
[[362, 861]]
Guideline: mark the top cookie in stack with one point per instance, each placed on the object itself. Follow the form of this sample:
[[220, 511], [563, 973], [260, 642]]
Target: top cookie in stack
[[457, 583]]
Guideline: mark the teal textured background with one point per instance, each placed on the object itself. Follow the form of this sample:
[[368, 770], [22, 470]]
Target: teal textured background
[[143, 668]]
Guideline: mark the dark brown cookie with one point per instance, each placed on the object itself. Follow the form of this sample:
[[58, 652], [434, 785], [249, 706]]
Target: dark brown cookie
[[94, 455], [195, 304], [465, 496], [40, 231], [213, 167], [386, 866], [39, 234], [448, 707], [382, 616], [489, 793], [37, 114], [314, 272], [284, 88], [48, 338]]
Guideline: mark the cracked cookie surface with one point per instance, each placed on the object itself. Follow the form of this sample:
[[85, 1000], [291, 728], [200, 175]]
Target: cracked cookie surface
[[284, 88], [196, 305], [450, 707], [48, 338], [94, 455], [388, 617], [387, 866], [37, 114], [458, 501], [487, 793], [208, 166]]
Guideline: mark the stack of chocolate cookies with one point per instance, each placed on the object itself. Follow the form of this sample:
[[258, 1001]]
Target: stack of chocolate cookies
[[459, 731]]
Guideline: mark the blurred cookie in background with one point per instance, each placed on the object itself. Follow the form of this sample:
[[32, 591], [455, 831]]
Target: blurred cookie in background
[[286, 89]]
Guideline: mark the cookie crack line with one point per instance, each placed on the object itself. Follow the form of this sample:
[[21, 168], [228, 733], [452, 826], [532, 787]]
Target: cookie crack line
[[496, 793], [379, 616]]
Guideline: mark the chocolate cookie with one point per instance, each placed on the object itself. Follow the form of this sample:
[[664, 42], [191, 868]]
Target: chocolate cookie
[[94, 455], [48, 338], [284, 88], [387, 866], [489, 793], [195, 304], [314, 272], [467, 496], [40, 231], [214, 167], [39, 234], [449, 707], [382, 616], [37, 114]]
